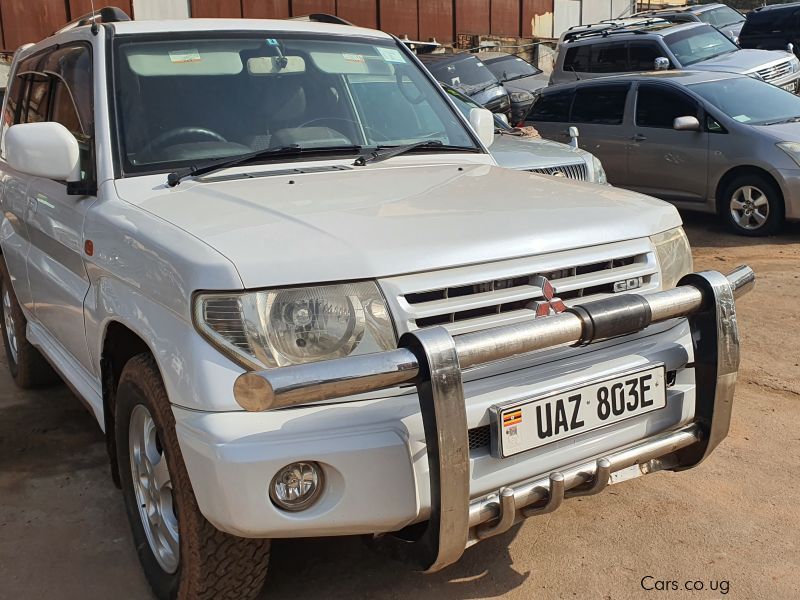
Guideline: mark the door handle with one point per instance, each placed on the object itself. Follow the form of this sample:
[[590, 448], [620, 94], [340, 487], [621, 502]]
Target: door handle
[[639, 137]]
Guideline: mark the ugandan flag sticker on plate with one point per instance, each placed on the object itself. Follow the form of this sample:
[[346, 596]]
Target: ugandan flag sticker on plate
[[513, 417]]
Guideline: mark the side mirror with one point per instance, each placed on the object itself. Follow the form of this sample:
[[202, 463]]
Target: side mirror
[[46, 150], [790, 48], [574, 134], [661, 64], [482, 121], [686, 124]]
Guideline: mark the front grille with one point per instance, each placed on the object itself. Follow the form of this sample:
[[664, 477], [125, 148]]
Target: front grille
[[481, 296], [576, 171], [776, 71]]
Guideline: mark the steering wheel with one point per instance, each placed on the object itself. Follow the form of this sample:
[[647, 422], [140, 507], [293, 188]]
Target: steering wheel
[[378, 133], [173, 134]]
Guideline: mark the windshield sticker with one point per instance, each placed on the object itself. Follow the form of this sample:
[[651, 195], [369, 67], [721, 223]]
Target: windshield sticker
[[479, 63], [391, 55], [353, 58], [741, 118], [185, 56], [455, 81], [272, 42]]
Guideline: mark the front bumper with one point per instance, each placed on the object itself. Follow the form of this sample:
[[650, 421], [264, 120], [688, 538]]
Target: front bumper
[[789, 181], [375, 470]]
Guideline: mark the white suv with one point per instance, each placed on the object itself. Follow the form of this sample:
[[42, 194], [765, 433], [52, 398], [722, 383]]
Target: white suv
[[300, 298]]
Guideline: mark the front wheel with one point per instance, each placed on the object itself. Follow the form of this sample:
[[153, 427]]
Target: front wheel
[[182, 554], [752, 205]]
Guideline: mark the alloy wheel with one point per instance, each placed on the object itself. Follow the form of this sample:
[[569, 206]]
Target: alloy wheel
[[10, 325], [152, 485], [749, 207]]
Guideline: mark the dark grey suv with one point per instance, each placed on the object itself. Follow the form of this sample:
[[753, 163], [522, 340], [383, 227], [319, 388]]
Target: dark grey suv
[[715, 142]]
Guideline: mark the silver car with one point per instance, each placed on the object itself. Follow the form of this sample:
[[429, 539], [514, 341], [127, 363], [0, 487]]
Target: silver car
[[513, 149], [603, 50], [716, 142]]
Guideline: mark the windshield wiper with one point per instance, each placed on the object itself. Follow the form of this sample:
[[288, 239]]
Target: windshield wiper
[[179, 175], [779, 121], [391, 151]]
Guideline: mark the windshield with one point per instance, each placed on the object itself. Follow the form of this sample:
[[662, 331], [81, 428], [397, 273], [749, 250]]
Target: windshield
[[510, 67], [213, 97], [722, 16], [749, 100], [468, 74], [698, 44], [465, 104]]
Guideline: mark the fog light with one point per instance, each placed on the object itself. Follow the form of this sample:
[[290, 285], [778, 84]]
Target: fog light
[[296, 486]]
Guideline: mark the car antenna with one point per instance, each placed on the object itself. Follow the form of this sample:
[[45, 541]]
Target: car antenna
[[572, 68], [94, 28]]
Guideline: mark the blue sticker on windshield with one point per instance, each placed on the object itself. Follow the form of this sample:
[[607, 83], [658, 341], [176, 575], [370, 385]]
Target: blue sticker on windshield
[[272, 41]]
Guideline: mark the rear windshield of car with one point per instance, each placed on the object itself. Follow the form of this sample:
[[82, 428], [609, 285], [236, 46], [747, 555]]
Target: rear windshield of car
[[700, 43], [468, 74], [509, 68], [723, 16], [764, 22], [750, 101]]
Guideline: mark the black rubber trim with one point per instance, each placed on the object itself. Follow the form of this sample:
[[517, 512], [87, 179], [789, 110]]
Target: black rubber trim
[[612, 317]]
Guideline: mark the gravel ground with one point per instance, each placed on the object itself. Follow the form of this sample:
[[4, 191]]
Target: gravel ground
[[732, 523]]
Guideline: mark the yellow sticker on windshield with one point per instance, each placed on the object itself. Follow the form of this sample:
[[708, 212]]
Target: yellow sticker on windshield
[[185, 56]]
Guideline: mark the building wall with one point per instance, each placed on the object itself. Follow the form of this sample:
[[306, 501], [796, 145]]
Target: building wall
[[24, 21]]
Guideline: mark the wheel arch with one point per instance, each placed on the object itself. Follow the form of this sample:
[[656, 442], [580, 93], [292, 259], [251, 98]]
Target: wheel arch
[[738, 171], [120, 344]]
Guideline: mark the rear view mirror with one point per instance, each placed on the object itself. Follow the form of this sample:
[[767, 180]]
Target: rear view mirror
[[482, 121], [274, 65], [686, 124], [661, 64], [46, 150]]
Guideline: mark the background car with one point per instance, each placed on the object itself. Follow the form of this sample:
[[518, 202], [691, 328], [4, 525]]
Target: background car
[[520, 78], [635, 48], [513, 149], [728, 20], [468, 74], [772, 28], [716, 142]]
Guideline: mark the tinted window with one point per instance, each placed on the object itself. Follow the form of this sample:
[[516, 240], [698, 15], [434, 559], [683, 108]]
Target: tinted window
[[659, 106], [466, 74], [36, 100], [643, 55], [70, 71], [722, 16], [609, 58], [601, 105], [578, 59], [509, 68], [552, 107]]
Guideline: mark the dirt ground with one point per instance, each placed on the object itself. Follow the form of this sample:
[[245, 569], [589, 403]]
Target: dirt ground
[[731, 524]]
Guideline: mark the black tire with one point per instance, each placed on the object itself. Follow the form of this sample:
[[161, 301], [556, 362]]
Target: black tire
[[210, 564], [754, 213], [28, 367]]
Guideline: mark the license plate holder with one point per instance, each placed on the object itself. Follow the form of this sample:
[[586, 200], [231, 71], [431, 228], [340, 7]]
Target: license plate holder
[[534, 422]]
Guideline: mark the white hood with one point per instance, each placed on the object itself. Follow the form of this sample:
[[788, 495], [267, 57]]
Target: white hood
[[386, 220]]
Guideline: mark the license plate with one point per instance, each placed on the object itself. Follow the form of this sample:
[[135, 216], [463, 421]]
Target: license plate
[[538, 421]]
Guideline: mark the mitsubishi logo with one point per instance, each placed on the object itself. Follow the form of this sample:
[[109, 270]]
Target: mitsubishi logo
[[550, 305]]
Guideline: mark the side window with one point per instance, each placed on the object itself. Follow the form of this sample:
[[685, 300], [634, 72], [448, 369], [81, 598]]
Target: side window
[[577, 59], [551, 108], [600, 104], [37, 100], [642, 56], [609, 58], [659, 106]]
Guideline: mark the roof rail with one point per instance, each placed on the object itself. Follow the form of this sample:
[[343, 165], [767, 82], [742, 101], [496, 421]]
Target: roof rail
[[614, 29], [107, 14], [322, 18]]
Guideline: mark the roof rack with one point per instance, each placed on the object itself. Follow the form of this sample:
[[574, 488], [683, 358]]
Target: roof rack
[[322, 18], [107, 14], [614, 29]]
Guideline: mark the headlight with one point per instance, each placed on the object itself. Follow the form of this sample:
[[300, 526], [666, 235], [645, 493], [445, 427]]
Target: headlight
[[275, 328], [521, 97], [674, 256], [792, 149], [599, 172]]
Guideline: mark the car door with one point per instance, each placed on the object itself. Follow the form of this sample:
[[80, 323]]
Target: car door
[[598, 112], [58, 278], [663, 162], [14, 192]]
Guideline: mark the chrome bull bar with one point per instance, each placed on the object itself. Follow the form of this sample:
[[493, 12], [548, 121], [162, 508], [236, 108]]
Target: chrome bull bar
[[433, 361]]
